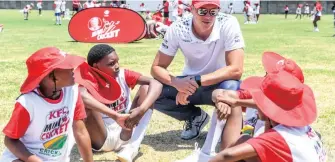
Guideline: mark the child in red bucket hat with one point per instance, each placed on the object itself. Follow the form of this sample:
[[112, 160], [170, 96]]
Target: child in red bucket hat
[[115, 122], [272, 62], [288, 106], [48, 112]]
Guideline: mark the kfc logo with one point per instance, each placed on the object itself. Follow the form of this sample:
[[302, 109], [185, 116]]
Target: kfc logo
[[94, 24], [107, 25]]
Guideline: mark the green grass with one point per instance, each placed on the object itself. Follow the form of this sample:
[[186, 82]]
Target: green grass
[[314, 52]]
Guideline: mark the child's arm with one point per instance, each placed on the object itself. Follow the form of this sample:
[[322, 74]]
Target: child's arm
[[14, 130], [91, 103], [154, 90], [236, 153], [80, 132], [83, 140], [18, 149], [233, 98]]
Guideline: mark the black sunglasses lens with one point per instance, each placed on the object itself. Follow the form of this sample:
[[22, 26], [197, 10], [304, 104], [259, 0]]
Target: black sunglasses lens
[[202, 12], [214, 12]]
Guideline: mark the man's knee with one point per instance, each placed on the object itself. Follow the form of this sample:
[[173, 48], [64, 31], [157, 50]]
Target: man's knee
[[230, 85]]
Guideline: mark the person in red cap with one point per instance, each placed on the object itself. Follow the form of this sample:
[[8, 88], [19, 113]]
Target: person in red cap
[[288, 107], [48, 112], [317, 15], [115, 122], [213, 48], [272, 62]]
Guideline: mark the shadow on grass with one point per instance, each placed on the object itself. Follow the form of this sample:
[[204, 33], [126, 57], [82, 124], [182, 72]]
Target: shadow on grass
[[171, 141]]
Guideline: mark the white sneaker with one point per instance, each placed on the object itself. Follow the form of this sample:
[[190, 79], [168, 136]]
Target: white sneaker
[[127, 153], [316, 30], [197, 156], [193, 127]]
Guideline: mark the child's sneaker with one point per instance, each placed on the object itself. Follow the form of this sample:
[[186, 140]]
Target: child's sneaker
[[127, 153]]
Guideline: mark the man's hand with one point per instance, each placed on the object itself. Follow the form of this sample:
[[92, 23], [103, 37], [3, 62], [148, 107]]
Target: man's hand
[[121, 120], [181, 98], [185, 85], [223, 110], [136, 115]]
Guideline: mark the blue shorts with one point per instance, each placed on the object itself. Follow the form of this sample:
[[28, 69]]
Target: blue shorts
[[57, 14]]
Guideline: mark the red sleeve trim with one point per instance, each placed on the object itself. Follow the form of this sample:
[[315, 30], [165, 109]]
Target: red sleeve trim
[[79, 112], [271, 146], [131, 78], [244, 94], [18, 123]]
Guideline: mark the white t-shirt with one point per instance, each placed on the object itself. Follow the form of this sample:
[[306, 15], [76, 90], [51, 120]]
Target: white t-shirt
[[89, 4], [58, 6], [283, 144], [39, 5], [298, 11], [230, 9], [250, 10], [63, 6], [307, 9], [203, 57], [127, 80], [257, 9]]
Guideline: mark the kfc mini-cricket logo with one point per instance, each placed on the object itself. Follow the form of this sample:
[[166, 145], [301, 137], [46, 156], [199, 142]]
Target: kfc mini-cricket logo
[[55, 132], [103, 29], [107, 25]]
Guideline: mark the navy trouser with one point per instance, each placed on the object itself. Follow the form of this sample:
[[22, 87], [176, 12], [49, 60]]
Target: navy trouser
[[166, 103]]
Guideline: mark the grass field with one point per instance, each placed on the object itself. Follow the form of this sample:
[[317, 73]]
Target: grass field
[[314, 52]]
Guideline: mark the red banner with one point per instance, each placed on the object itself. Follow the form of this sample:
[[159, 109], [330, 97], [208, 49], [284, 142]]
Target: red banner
[[107, 25]]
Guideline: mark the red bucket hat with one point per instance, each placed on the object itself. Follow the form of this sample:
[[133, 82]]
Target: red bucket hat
[[283, 98], [44, 61], [101, 86], [274, 62], [200, 3]]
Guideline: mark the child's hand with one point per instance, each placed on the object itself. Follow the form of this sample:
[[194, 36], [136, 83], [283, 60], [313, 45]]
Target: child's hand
[[135, 117], [121, 120], [34, 158], [223, 110]]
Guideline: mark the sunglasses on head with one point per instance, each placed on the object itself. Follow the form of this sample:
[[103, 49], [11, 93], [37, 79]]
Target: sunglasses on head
[[212, 12]]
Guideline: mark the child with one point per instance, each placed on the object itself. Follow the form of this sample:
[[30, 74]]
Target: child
[[298, 11], [48, 111], [62, 8], [108, 122], [271, 62], [230, 9], [257, 12], [25, 13], [39, 7], [288, 108], [306, 12], [317, 15], [286, 9], [57, 5]]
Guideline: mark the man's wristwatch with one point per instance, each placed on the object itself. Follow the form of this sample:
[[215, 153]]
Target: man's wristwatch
[[197, 78]]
